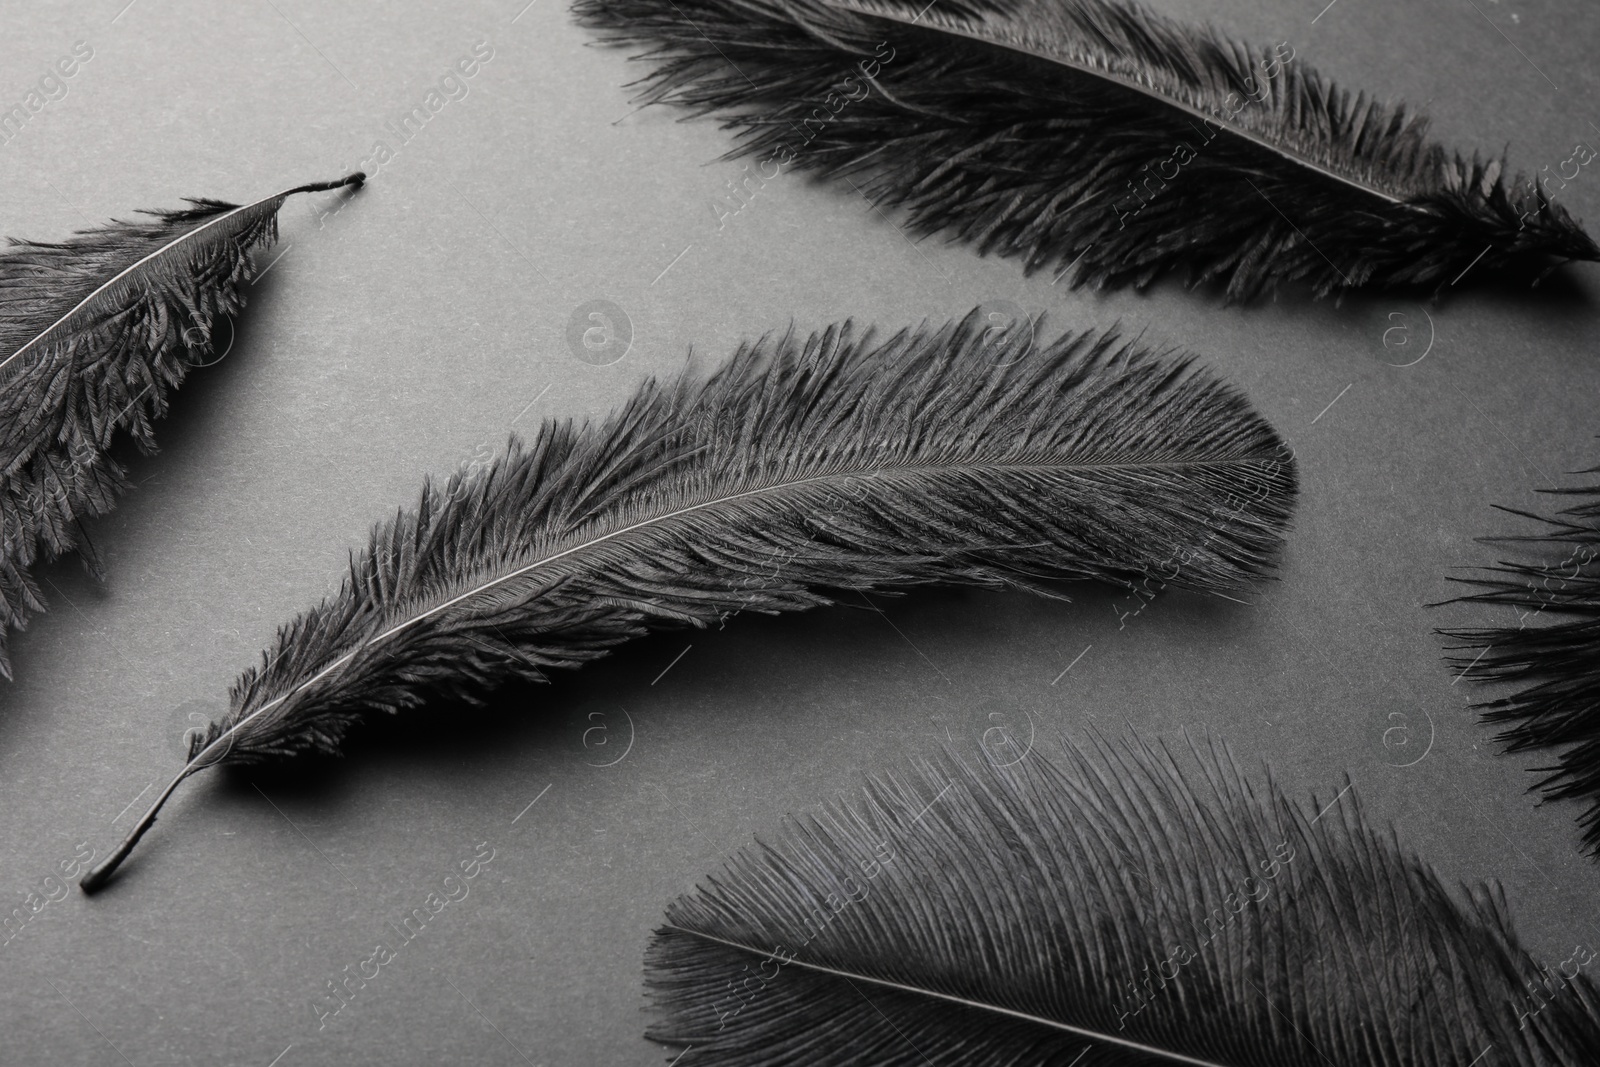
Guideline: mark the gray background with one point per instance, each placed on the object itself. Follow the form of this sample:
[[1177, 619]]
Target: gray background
[[412, 330]]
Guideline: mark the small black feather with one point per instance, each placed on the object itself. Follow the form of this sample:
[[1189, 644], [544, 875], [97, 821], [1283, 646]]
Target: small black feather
[[1551, 655], [1102, 913], [1094, 138], [959, 455], [94, 333]]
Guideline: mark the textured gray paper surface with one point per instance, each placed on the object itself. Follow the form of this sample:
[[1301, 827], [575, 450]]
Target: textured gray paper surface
[[413, 330]]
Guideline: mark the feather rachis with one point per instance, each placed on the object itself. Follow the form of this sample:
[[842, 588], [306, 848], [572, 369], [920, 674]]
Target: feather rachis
[[802, 467]]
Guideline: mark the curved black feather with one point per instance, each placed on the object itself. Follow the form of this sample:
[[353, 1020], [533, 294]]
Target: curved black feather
[[1104, 912], [952, 455], [1552, 653], [1097, 139], [94, 333]]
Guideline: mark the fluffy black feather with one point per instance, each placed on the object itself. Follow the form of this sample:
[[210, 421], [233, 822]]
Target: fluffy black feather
[[1552, 653], [1106, 912], [94, 333], [1097, 139], [956, 455]]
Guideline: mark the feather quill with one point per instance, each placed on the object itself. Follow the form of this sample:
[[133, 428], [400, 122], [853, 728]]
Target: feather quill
[[94, 333], [1094, 138], [956, 454], [1107, 911], [1551, 655]]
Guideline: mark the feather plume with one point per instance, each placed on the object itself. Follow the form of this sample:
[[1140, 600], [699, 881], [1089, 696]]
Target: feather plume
[[1094, 138], [1551, 655], [94, 333], [1100, 913], [953, 455]]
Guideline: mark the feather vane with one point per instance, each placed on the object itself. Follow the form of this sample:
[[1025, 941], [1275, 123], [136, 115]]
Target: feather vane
[[95, 332], [1107, 911], [803, 467], [1096, 139], [1551, 656]]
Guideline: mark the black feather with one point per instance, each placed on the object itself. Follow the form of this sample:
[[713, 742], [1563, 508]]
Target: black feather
[[954, 455], [1103, 913], [1094, 138], [94, 333], [1552, 653]]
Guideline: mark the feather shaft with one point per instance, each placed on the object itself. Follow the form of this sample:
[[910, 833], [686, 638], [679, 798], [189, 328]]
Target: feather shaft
[[1134, 85], [97, 876], [1166, 1055]]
